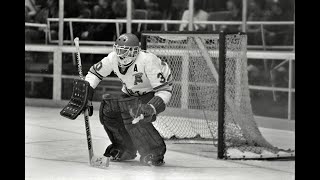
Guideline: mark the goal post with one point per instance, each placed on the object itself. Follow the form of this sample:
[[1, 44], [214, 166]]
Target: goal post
[[221, 95], [210, 100]]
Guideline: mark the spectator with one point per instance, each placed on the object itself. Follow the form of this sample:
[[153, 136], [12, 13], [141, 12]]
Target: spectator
[[275, 34], [139, 4], [234, 7], [49, 11], [198, 15], [30, 10], [101, 31], [119, 7], [102, 10], [77, 9], [255, 10], [255, 13], [165, 6], [169, 12], [27, 18], [254, 74], [280, 77]]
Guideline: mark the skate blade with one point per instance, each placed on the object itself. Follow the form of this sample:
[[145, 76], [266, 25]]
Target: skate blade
[[100, 162]]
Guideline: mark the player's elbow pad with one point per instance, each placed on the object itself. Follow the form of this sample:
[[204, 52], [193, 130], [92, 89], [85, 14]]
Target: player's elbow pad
[[92, 79], [158, 104]]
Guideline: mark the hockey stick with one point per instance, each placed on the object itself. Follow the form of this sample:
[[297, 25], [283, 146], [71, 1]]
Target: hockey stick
[[100, 162]]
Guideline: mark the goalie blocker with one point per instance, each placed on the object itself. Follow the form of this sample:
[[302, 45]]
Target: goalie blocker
[[80, 99]]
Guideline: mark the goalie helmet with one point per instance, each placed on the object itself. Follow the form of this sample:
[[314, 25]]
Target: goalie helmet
[[127, 48]]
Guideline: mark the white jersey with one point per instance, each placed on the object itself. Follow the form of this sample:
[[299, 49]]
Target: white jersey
[[148, 73]]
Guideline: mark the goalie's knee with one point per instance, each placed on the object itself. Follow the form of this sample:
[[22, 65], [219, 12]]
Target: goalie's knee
[[146, 138]]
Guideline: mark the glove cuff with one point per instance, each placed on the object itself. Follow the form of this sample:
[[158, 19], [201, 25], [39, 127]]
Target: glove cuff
[[154, 109], [157, 104]]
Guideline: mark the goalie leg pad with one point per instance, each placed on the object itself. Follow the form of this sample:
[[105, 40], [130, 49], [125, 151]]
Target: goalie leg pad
[[145, 137], [81, 93], [110, 118]]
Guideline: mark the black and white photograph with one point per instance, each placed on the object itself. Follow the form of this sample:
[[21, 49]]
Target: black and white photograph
[[160, 90]]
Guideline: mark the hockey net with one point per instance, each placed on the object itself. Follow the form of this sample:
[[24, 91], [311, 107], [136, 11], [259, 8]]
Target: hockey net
[[192, 113]]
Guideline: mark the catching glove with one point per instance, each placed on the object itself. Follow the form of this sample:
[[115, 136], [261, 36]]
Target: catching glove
[[148, 112]]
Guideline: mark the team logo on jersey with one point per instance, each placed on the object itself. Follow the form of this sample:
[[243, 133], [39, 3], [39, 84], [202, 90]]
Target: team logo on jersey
[[137, 78]]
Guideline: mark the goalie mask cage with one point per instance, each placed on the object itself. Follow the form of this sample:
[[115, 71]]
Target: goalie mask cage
[[210, 100]]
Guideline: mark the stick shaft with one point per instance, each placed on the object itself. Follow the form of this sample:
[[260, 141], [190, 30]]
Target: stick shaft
[[86, 113], [88, 133], [76, 42]]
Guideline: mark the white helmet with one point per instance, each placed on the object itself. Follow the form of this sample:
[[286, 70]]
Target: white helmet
[[127, 48]]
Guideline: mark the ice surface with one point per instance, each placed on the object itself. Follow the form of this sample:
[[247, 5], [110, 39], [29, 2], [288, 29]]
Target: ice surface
[[56, 149]]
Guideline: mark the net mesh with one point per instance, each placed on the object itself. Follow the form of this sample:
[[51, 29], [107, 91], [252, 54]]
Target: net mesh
[[192, 112]]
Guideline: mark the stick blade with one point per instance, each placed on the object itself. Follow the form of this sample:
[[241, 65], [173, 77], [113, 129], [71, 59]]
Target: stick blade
[[100, 162]]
